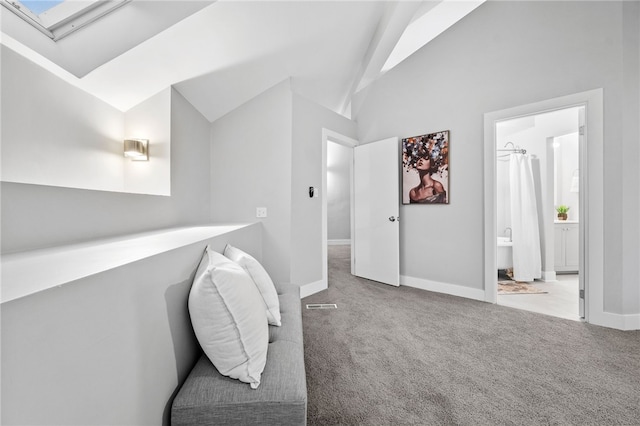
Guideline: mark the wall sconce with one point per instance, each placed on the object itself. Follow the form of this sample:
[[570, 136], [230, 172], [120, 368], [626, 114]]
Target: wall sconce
[[136, 149]]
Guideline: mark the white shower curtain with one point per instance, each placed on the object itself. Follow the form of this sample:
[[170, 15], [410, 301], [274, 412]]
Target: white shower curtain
[[527, 264]]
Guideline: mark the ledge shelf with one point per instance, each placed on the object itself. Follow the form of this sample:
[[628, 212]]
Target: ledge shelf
[[30, 272]]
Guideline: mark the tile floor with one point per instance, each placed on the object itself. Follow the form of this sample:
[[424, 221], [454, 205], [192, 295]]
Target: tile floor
[[560, 301]]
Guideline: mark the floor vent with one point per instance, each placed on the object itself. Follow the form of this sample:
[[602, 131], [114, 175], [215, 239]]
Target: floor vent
[[322, 306]]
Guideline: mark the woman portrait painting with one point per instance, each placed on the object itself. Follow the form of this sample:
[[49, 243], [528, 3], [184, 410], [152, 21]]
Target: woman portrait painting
[[425, 164]]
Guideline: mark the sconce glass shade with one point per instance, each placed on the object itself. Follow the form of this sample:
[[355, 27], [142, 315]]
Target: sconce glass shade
[[136, 149]]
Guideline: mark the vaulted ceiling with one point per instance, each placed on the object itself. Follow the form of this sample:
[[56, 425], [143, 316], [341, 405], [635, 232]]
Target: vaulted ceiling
[[221, 54]]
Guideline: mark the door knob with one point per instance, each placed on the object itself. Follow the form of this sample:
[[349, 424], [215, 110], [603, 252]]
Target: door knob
[[392, 218]]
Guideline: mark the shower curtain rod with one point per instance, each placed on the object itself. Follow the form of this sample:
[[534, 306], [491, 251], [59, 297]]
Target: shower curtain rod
[[516, 150]]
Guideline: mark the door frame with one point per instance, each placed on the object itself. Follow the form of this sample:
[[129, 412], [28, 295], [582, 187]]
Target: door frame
[[591, 196], [332, 136]]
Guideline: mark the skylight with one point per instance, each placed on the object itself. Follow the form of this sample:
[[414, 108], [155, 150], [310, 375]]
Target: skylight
[[431, 21], [38, 6], [59, 18]]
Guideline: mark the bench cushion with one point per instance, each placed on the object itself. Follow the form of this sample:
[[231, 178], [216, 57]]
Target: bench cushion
[[208, 398]]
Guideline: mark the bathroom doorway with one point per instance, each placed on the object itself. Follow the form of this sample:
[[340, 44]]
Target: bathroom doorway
[[590, 181], [538, 212]]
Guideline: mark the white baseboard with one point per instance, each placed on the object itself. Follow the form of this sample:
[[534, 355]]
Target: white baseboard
[[338, 242], [312, 288], [446, 288], [617, 321]]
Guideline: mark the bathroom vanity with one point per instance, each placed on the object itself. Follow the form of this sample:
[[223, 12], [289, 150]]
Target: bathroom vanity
[[567, 245]]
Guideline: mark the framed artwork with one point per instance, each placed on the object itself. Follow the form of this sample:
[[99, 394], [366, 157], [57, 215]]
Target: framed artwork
[[425, 169]]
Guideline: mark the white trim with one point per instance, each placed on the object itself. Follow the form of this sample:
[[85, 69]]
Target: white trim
[[312, 288], [339, 139], [446, 288], [591, 197], [617, 321], [549, 276], [339, 242]]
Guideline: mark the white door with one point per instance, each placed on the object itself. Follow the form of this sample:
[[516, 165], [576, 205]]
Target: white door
[[376, 187]]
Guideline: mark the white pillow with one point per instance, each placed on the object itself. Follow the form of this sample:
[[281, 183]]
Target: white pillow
[[262, 280], [228, 318]]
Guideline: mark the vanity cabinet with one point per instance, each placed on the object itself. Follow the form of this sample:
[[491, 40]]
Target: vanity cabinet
[[567, 246]]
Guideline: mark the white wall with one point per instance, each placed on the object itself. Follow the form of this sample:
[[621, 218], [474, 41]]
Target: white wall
[[150, 120], [309, 119], [108, 349], [495, 58], [630, 182], [58, 135], [267, 153], [251, 167], [339, 160], [35, 216], [567, 156]]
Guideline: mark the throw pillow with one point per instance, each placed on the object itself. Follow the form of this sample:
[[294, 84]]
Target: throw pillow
[[261, 279], [228, 318]]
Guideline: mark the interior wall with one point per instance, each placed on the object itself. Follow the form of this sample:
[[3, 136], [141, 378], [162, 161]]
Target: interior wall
[[309, 119], [56, 134], [477, 67], [251, 167], [36, 216], [109, 349], [267, 153], [630, 158], [150, 120], [568, 156], [339, 160]]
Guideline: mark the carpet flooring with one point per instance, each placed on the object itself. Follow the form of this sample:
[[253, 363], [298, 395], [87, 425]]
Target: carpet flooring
[[404, 356]]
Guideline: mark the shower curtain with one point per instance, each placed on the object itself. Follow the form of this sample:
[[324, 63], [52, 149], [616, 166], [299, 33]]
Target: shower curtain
[[527, 263]]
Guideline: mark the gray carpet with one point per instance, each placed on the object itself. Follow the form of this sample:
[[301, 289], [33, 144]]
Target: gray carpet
[[392, 356]]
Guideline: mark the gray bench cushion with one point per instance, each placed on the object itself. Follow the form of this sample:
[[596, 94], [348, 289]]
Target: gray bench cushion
[[208, 398]]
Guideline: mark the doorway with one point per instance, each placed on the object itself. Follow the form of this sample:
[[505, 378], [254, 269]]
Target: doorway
[[339, 161], [549, 143], [332, 137], [591, 187]]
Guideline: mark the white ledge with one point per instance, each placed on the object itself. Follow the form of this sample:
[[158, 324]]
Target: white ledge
[[30, 272]]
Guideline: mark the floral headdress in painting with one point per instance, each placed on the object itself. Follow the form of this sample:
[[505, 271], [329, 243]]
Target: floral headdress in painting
[[434, 146]]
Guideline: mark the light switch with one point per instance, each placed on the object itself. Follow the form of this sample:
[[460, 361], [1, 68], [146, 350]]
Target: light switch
[[261, 212]]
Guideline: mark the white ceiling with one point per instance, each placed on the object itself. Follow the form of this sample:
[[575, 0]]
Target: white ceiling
[[221, 55]]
